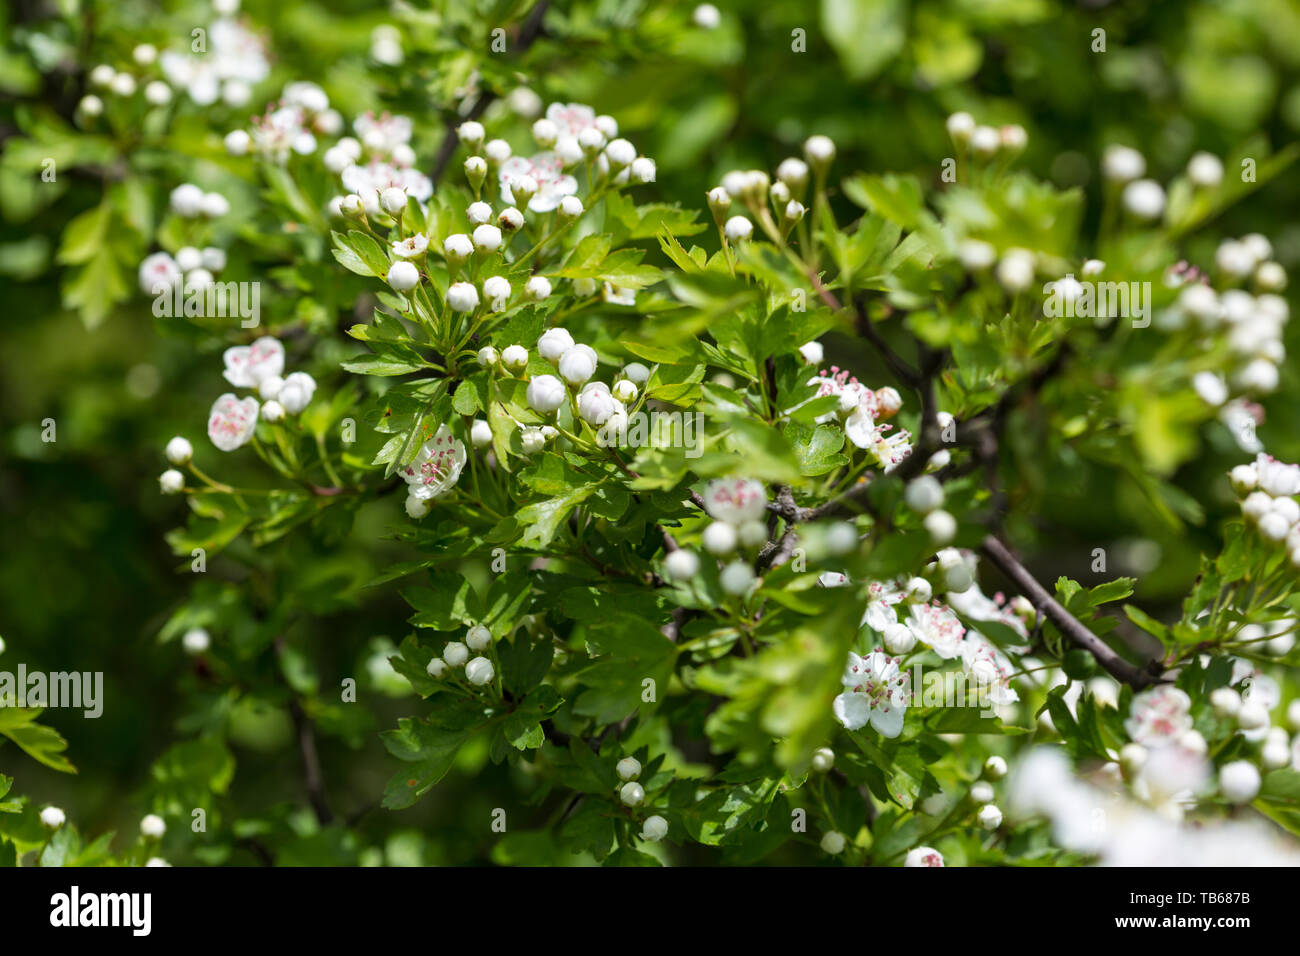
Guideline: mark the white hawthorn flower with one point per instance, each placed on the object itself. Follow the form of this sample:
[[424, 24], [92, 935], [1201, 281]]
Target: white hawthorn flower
[[232, 421], [455, 654], [247, 365], [158, 273], [437, 465], [511, 219], [237, 142], [53, 817], [545, 394], [938, 628], [462, 297], [736, 500], [412, 247], [1159, 715], [158, 93], [923, 856], [487, 238], [875, 693], [578, 364], [554, 343], [171, 482], [479, 671], [532, 439], [1271, 277], [296, 393], [153, 827], [392, 200]]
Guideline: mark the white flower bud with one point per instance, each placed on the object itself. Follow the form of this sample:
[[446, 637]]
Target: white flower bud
[[511, 219], [995, 768], [654, 829], [514, 357], [1144, 198], [1205, 170], [487, 238], [179, 451], [480, 433], [187, 200], [942, 527], [1253, 715], [629, 768], [455, 654], [90, 106], [153, 827], [462, 297], [533, 440], [171, 482], [738, 228], [1013, 137], [479, 671], [102, 75], [214, 205], [545, 394], [984, 141], [416, 508], [620, 153], [272, 411], [924, 494], [196, 640], [545, 133], [643, 170], [960, 127], [981, 791], [632, 794], [570, 207], [681, 565], [1122, 164], [753, 534], [1271, 277], [990, 817], [823, 759], [488, 356], [899, 638], [537, 288], [1016, 270], [833, 842], [1239, 781], [577, 365], [497, 151], [53, 817], [478, 213], [392, 200], [403, 276], [596, 404], [719, 538], [478, 638], [123, 84], [1225, 701], [554, 343], [457, 248], [352, 206], [736, 578], [919, 591], [238, 142], [157, 93], [819, 151], [471, 133], [496, 289], [436, 667], [923, 856]]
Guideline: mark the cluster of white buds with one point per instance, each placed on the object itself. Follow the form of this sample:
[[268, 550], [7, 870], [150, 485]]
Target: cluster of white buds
[[1269, 488], [1144, 199], [985, 142], [190, 269], [775, 201], [190, 202], [124, 84], [479, 670]]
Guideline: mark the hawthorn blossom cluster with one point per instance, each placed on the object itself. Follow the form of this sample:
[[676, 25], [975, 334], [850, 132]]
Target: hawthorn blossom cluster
[[190, 269], [776, 202], [288, 126], [230, 63], [864, 414], [479, 671], [738, 507], [1268, 488]]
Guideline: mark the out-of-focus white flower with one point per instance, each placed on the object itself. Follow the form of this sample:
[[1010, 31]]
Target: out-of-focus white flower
[[923, 856], [232, 421], [1122, 164]]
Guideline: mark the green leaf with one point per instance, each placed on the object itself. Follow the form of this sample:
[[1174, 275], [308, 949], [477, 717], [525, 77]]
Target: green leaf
[[41, 743]]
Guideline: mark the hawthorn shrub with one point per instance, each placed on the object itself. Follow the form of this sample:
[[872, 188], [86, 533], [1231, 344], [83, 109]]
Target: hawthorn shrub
[[671, 481]]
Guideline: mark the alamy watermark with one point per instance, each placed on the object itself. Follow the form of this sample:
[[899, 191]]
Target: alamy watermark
[[1070, 298], [58, 689], [242, 300]]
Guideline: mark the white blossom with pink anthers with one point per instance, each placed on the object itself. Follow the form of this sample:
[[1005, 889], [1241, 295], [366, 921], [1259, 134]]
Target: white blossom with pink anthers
[[235, 60], [232, 421], [876, 693], [938, 628], [736, 500], [880, 612], [159, 273], [1158, 716], [247, 366], [280, 131], [553, 184], [436, 467]]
